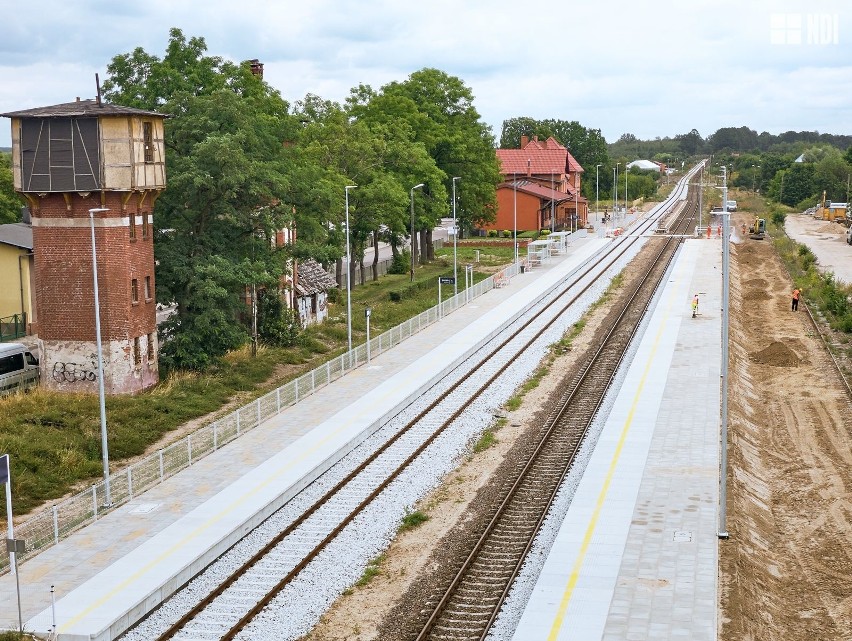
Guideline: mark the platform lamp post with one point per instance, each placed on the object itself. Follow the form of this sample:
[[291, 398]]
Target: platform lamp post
[[515, 214], [101, 401], [348, 275], [455, 242], [726, 260], [615, 195], [552, 204], [597, 190], [412, 227]]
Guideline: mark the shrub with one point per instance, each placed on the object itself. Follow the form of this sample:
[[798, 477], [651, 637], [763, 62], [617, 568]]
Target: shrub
[[778, 218], [507, 233], [400, 263], [544, 233], [492, 233], [335, 295]]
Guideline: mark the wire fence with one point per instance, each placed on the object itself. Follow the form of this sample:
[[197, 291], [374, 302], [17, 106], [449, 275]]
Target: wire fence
[[51, 525], [12, 327]]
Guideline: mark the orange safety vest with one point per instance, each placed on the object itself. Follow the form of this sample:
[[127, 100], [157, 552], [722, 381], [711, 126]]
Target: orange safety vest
[[795, 294]]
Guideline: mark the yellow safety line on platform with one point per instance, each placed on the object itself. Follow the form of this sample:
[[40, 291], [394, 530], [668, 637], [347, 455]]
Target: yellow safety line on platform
[[590, 530]]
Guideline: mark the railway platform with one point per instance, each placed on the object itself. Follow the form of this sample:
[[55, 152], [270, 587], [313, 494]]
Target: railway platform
[[107, 575], [636, 556]]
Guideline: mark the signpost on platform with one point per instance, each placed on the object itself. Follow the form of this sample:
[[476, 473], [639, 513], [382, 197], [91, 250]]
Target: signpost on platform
[[13, 546], [443, 280], [367, 314]]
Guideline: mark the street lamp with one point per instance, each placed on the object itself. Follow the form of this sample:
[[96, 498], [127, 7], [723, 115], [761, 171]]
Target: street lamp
[[597, 189], [412, 227], [515, 223], [367, 315], [615, 196], [348, 275], [101, 402], [552, 203], [625, 190], [455, 241]]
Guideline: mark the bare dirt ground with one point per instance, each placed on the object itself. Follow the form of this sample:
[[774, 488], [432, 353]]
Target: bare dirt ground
[[827, 240], [786, 571]]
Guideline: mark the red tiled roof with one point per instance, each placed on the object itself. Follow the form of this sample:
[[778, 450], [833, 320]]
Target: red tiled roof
[[538, 158]]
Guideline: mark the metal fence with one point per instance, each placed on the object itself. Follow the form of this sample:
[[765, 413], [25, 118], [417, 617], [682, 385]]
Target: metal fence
[[12, 327], [49, 526]]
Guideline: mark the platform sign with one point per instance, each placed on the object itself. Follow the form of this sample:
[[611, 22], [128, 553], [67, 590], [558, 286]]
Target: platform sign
[[447, 280], [4, 469]]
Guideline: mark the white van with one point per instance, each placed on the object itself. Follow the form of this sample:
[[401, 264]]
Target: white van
[[18, 368]]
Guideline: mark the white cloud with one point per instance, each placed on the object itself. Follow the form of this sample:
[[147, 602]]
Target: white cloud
[[652, 69]]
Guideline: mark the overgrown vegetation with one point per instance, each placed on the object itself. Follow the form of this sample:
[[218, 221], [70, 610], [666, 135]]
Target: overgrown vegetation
[[485, 441], [372, 570]]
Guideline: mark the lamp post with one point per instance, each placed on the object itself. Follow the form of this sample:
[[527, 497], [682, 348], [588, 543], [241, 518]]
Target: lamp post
[[723, 481], [348, 275], [552, 203], [455, 242], [754, 169], [515, 215], [615, 196], [412, 227], [625, 190], [597, 189], [101, 402]]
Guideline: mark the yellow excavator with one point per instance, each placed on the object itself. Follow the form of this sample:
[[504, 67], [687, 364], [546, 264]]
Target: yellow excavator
[[758, 230]]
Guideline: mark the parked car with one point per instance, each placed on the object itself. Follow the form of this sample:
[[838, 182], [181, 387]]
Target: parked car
[[18, 368], [849, 236], [732, 205]]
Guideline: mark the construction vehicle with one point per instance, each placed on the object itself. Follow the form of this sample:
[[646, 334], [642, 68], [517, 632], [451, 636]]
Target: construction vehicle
[[758, 230], [827, 210]]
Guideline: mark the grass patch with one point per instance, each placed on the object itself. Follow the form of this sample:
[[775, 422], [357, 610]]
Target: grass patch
[[412, 519], [485, 441], [372, 570], [514, 403]]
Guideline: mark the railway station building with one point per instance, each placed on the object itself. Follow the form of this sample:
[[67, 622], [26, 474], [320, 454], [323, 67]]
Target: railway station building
[[541, 180]]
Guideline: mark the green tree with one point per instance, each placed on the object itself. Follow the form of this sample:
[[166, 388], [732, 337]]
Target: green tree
[[439, 109], [228, 176], [690, 143], [10, 202]]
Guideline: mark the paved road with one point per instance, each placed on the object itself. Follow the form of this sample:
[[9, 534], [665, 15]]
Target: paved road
[[826, 240]]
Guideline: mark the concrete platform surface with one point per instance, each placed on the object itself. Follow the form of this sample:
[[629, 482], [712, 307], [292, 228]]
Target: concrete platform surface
[[636, 556]]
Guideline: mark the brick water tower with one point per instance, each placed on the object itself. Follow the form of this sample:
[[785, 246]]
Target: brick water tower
[[69, 160]]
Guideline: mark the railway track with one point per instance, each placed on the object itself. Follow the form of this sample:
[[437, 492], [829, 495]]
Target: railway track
[[469, 604], [241, 597]]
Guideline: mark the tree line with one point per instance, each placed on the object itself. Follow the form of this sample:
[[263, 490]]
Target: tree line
[[243, 163]]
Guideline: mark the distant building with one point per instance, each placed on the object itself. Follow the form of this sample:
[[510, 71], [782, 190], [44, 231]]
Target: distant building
[[647, 165], [539, 178]]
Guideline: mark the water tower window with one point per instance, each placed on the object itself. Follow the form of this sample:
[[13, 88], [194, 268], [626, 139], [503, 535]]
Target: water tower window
[[148, 140]]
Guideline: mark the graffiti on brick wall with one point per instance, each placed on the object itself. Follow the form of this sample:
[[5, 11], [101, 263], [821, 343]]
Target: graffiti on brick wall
[[73, 372]]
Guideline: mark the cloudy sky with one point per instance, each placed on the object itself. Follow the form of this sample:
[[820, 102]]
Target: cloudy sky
[[648, 68]]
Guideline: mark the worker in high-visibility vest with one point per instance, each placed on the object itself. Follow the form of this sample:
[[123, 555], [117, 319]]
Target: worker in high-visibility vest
[[694, 305]]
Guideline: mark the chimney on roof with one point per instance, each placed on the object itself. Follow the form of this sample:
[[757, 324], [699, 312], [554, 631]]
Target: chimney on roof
[[535, 138], [529, 167], [525, 140], [257, 68]]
